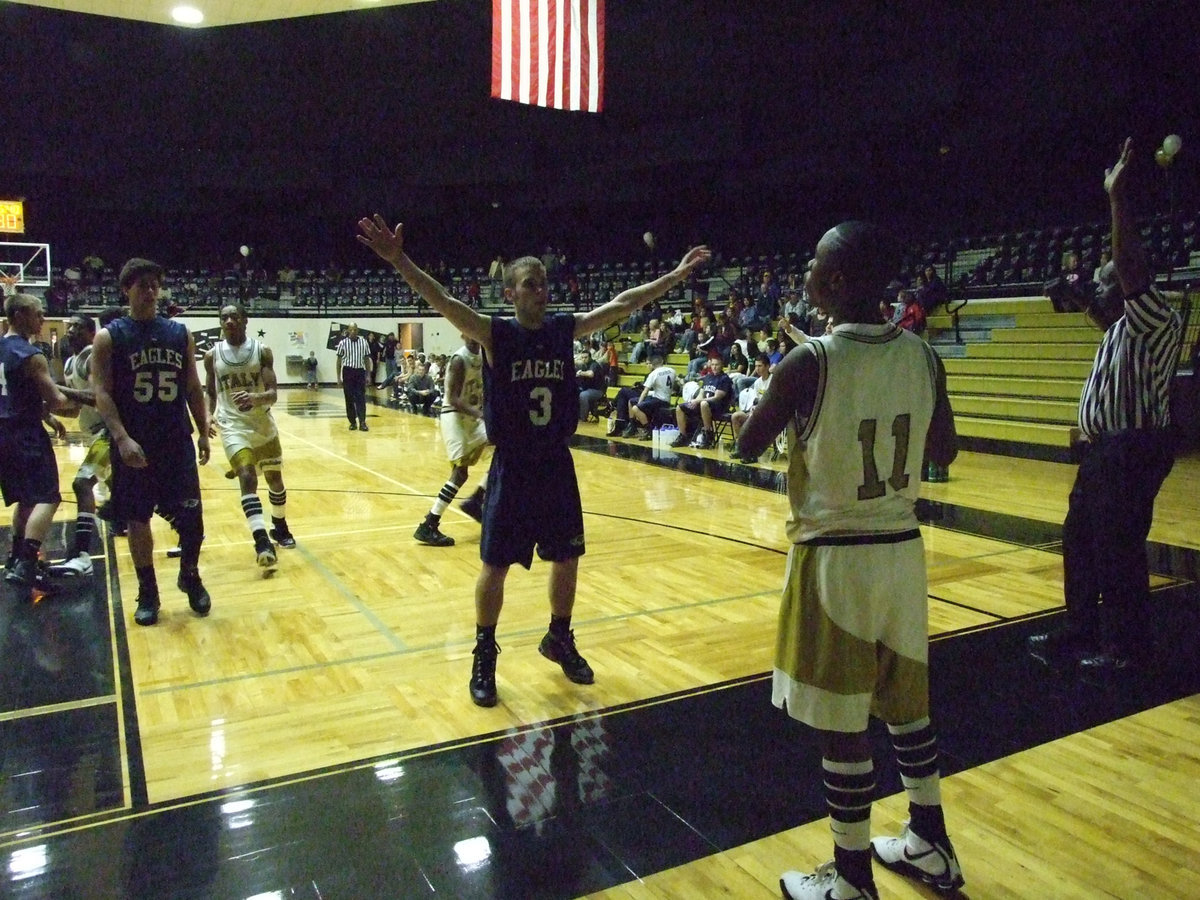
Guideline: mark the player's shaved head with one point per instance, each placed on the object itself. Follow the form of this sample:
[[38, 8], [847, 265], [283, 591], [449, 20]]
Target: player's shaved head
[[855, 262]]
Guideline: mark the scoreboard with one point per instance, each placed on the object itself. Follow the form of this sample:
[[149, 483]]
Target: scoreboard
[[12, 216]]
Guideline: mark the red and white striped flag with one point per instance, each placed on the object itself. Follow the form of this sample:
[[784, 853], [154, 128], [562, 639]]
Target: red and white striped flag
[[549, 53]]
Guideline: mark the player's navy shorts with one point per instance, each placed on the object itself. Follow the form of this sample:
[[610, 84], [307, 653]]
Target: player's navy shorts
[[169, 480], [28, 470], [531, 503]]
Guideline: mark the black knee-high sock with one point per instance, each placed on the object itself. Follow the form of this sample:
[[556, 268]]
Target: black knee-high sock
[[85, 527]]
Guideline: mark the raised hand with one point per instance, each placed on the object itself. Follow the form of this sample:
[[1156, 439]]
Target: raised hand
[[694, 258], [1115, 180], [388, 244]]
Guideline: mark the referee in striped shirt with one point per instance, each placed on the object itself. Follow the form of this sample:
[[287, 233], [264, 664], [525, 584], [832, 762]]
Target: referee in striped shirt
[[1124, 416], [353, 355]]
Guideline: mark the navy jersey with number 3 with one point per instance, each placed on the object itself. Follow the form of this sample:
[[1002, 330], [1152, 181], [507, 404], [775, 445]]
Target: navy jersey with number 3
[[531, 402]]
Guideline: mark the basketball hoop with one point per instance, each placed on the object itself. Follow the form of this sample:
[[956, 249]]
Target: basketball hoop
[[8, 283]]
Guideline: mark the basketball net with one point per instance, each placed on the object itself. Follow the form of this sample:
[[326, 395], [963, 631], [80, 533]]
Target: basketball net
[[8, 284]]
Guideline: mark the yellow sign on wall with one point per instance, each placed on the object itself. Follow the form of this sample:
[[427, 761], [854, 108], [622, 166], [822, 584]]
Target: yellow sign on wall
[[12, 216]]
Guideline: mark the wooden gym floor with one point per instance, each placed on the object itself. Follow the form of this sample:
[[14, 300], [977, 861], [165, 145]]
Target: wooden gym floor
[[313, 737]]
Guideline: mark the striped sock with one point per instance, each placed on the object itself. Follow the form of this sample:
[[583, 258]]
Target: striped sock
[[253, 509], [917, 755], [278, 501], [85, 527], [444, 498], [849, 789]]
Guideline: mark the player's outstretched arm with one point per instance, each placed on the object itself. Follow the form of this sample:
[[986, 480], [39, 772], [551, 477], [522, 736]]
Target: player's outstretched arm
[[388, 245], [627, 302]]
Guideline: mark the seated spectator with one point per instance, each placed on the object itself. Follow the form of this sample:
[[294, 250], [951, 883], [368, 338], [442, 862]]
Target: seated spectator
[[931, 290], [746, 316], [611, 359], [774, 352], [716, 391], [421, 390], [1105, 258], [1071, 291], [693, 333], [793, 307], [635, 418], [748, 399], [698, 365], [766, 300], [912, 317], [589, 375], [737, 368], [656, 338]]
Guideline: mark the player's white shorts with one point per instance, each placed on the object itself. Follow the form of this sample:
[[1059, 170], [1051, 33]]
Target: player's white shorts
[[465, 438], [264, 448], [853, 635], [97, 462]]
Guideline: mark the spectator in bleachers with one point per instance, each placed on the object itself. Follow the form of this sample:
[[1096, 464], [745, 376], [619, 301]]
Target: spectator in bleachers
[[635, 418], [652, 312], [748, 398], [589, 375], [704, 350], [1105, 257], [931, 290], [690, 336], [793, 307], [716, 391], [496, 269], [93, 268], [611, 359], [657, 337], [766, 299], [1072, 289], [912, 315], [737, 367]]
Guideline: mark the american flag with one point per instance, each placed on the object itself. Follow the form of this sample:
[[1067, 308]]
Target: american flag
[[549, 53]]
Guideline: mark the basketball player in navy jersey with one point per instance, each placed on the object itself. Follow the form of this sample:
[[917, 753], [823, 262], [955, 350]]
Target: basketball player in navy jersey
[[145, 381], [531, 408], [28, 472]]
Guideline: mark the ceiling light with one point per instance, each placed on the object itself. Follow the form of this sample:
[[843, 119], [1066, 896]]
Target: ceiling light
[[187, 15]]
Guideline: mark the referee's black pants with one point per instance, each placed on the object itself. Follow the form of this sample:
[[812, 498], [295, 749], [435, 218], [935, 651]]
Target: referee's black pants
[[354, 389], [1104, 537]]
